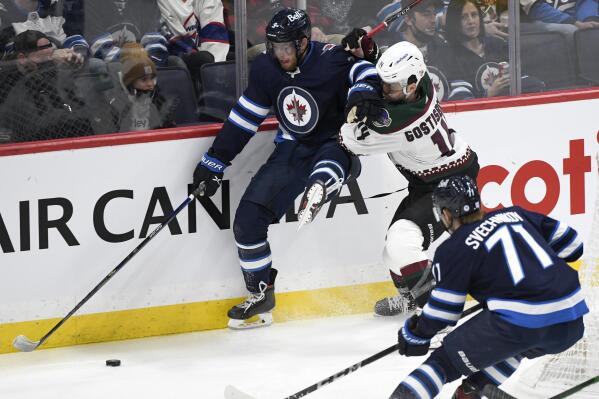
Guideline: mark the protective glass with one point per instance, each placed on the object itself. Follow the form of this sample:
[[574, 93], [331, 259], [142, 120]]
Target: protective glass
[[437, 212]]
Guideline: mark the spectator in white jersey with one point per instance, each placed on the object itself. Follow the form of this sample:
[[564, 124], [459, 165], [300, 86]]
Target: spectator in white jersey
[[402, 116]]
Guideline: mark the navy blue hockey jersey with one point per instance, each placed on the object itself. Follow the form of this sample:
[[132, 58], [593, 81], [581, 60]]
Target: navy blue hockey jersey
[[308, 102], [514, 263]]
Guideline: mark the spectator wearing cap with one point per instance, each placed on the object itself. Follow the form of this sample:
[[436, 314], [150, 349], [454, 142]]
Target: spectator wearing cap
[[420, 29], [144, 107], [39, 94]]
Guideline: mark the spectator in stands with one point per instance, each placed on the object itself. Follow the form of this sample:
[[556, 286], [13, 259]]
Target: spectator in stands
[[478, 63], [565, 16], [145, 108], [195, 31], [17, 16], [495, 18], [125, 21], [419, 28], [471, 51], [39, 94]]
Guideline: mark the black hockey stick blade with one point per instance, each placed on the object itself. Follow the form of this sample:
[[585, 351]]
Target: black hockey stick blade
[[576, 388], [24, 344], [233, 393]]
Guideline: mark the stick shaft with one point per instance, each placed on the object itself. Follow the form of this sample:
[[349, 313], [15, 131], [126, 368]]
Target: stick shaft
[[363, 363], [392, 17], [120, 265]]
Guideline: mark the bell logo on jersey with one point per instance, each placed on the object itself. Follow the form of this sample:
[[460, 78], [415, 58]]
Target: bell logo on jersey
[[297, 109]]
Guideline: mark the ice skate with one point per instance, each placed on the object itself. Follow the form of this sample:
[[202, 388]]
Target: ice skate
[[403, 303], [313, 199], [256, 310]]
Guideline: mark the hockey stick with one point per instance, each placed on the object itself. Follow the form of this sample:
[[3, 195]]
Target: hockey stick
[[24, 344], [392, 17], [576, 388], [233, 393]]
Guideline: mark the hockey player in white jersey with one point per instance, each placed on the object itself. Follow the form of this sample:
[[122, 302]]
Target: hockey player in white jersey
[[403, 118]]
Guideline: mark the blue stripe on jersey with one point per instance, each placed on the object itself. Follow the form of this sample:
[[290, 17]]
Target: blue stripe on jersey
[[360, 70], [243, 123], [570, 247], [558, 232], [445, 306], [540, 314], [283, 135], [255, 109], [448, 317], [214, 31], [448, 296]]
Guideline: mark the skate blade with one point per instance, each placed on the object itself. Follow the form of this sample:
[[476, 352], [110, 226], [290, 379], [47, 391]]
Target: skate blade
[[308, 214], [257, 321]]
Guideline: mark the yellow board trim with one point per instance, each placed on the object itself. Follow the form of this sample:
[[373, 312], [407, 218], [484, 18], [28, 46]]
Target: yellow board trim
[[198, 316]]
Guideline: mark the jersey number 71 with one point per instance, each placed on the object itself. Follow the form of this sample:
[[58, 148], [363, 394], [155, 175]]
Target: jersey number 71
[[504, 236]]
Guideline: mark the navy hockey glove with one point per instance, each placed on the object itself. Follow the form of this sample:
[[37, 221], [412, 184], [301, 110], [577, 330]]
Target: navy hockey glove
[[358, 39], [210, 172], [410, 344], [364, 103]]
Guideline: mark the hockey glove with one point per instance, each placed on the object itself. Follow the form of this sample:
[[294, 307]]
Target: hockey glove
[[210, 172], [358, 39], [364, 103], [410, 344]]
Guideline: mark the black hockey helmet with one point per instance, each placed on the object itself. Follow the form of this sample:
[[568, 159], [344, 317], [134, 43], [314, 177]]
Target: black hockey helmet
[[458, 194], [288, 25]]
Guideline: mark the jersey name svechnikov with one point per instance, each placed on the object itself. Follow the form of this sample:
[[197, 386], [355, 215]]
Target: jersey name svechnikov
[[478, 235]]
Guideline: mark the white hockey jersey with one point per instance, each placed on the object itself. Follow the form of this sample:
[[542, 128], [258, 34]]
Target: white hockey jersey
[[199, 20], [414, 135]]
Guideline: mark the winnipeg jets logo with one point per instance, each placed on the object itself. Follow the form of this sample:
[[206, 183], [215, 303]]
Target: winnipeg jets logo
[[297, 110], [439, 83], [487, 74]]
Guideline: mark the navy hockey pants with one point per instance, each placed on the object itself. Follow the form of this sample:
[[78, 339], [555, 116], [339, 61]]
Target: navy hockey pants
[[271, 193], [489, 349]]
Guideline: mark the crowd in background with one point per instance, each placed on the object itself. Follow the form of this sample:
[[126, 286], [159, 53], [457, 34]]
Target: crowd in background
[[71, 68]]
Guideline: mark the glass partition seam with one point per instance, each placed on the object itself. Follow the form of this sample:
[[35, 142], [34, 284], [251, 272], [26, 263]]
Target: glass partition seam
[[241, 64]]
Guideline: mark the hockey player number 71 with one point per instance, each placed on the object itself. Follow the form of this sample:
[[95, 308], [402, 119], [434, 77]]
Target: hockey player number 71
[[504, 236]]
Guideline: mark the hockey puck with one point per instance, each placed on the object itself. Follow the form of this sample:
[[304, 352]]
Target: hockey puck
[[113, 362]]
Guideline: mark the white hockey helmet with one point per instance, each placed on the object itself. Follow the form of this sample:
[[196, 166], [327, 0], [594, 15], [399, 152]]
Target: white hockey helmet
[[399, 63]]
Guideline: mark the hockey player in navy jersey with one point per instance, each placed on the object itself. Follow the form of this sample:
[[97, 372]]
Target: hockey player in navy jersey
[[401, 116], [306, 83], [513, 262]]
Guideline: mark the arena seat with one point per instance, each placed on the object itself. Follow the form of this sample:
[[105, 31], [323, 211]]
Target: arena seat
[[587, 42], [176, 85], [218, 90], [545, 55]]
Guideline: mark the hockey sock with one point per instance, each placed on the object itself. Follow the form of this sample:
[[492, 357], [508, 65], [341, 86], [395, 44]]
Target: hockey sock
[[425, 382], [419, 279], [331, 173], [256, 263]]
